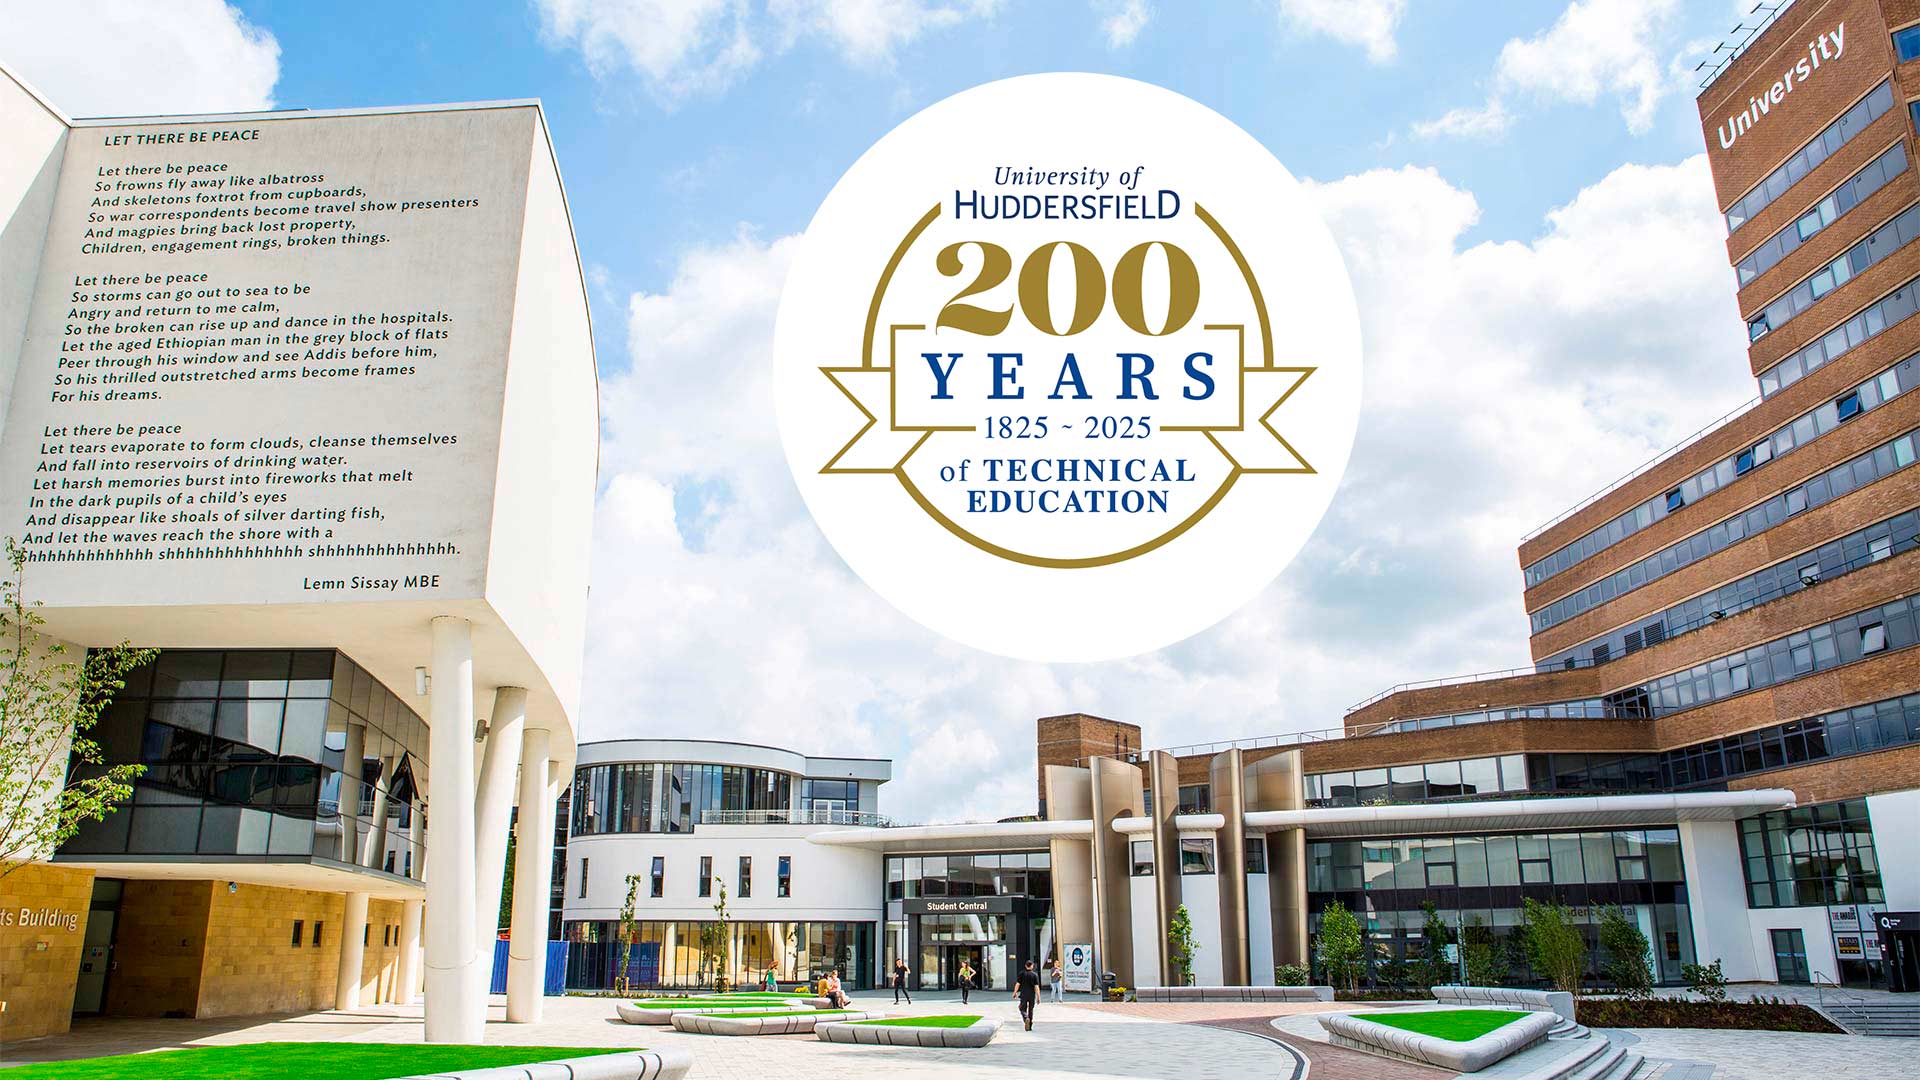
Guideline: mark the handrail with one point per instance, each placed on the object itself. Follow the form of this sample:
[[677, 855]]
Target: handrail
[[814, 816], [1735, 51], [1641, 469]]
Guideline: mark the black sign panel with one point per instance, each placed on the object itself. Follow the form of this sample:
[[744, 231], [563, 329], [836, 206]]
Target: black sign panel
[[1908, 921], [961, 905]]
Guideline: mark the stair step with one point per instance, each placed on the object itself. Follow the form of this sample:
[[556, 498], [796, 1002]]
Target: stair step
[[1600, 1065]]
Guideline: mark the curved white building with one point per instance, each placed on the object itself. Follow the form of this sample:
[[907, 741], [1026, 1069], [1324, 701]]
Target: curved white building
[[677, 824]]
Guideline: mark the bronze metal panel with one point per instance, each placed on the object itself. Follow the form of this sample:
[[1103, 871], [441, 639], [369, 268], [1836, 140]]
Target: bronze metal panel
[[1277, 783], [1115, 793], [1227, 786]]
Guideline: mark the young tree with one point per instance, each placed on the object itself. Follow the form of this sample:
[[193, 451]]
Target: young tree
[[1626, 951], [1340, 946], [506, 887], [1434, 968], [716, 940], [622, 982], [1180, 945], [1486, 960], [48, 703], [1555, 946]]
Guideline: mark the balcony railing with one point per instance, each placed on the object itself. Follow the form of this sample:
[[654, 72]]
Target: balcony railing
[[1734, 44], [814, 816]]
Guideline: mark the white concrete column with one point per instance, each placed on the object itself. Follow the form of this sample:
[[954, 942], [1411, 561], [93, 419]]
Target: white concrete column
[[1717, 900], [454, 1004], [492, 809], [406, 983], [353, 940], [532, 882]]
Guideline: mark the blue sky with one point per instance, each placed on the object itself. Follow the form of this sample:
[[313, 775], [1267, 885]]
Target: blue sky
[[1518, 189], [649, 178]]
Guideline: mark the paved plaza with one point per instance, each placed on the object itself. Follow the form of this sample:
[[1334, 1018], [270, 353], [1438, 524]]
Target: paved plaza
[[1229, 1041]]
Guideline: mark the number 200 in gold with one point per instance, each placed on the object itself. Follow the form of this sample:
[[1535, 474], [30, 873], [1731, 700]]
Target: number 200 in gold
[[1089, 288]]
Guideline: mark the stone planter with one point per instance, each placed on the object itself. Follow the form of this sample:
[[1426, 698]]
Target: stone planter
[[1356, 1033], [978, 1034], [1234, 993], [799, 1022], [662, 1017], [637, 1065]]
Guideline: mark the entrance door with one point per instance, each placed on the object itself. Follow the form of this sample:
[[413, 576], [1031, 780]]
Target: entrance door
[[96, 949], [950, 961], [1790, 956]]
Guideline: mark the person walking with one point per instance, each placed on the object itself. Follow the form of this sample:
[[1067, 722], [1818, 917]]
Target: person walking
[[900, 982], [1026, 989], [771, 983], [1058, 979], [966, 979]]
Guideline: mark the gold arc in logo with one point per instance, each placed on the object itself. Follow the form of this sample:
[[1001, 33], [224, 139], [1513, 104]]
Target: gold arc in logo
[[899, 472]]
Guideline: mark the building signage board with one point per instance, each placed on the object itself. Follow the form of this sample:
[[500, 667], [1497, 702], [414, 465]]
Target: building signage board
[[1844, 920], [965, 905], [1078, 967]]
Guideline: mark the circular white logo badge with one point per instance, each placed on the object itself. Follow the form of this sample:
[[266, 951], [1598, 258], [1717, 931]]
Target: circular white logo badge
[[1067, 367]]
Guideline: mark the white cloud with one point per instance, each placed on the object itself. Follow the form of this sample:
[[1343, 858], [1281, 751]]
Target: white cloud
[[1468, 122], [1369, 24], [1595, 49], [1504, 381], [1125, 19], [683, 47], [106, 58]]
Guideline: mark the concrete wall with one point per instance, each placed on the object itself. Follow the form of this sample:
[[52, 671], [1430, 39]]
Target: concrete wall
[[1716, 897], [39, 964], [1896, 843], [1201, 895], [160, 947], [1259, 932], [1143, 934], [35, 136], [830, 883]]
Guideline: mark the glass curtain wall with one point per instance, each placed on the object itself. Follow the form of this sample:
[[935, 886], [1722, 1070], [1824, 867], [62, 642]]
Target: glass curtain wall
[[667, 797], [685, 955], [1479, 882]]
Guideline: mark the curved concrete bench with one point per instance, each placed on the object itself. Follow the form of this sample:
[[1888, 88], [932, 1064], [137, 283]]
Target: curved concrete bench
[[636, 1065], [799, 1022], [1355, 1033], [1506, 997], [634, 1015], [1234, 993], [975, 1035]]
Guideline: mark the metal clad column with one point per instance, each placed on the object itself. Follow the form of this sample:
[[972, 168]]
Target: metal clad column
[[1276, 783], [1116, 793], [1236, 966], [1163, 776], [454, 1003]]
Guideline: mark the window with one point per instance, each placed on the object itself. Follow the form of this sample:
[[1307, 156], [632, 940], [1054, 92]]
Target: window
[[746, 876], [1811, 856], [783, 881], [1789, 955], [299, 925], [316, 933], [658, 878], [1196, 855], [366, 935], [1906, 43], [1743, 462], [1848, 405], [1873, 638], [1879, 548], [1142, 858], [706, 875], [1675, 500], [583, 877], [1196, 798], [1256, 854]]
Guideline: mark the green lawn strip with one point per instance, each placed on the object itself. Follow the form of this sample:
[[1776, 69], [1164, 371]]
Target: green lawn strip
[[782, 1012], [1454, 1025], [923, 1021], [701, 1003], [277, 1060]]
